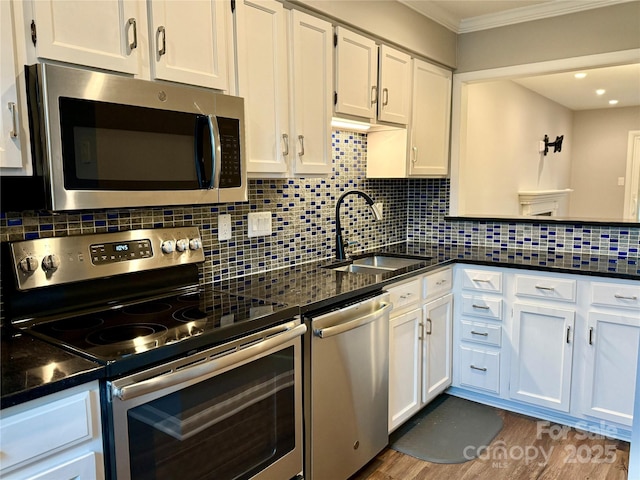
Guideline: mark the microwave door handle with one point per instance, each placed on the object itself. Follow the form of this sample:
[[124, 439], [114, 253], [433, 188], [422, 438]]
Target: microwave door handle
[[216, 152], [198, 150]]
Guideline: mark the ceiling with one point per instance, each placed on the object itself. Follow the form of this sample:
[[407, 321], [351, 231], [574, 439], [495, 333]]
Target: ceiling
[[621, 83]]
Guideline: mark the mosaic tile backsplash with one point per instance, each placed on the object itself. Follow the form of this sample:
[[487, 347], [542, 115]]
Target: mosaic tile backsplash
[[303, 220]]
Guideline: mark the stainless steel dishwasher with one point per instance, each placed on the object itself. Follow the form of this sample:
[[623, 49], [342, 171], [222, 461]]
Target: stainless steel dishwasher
[[346, 364]]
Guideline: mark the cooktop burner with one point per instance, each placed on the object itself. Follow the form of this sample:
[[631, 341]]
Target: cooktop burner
[[185, 322]]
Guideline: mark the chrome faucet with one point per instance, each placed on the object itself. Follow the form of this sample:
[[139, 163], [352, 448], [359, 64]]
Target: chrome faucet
[[340, 253]]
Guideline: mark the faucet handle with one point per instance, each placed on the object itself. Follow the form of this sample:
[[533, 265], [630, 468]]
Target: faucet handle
[[346, 248]]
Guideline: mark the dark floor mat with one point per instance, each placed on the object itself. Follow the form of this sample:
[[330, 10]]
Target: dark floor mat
[[449, 430]]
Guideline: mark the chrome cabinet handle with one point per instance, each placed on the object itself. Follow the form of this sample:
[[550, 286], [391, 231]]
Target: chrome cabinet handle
[[285, 139], [209, 367], [13, 133], [415, 154], [481, 307], [542, 287], [481, 280], [374, 94], [482, 369], [482, 334], [430, 326], [163, 35], [385, 96], [624, 297], [421, 334], [569, 334], [301, 138], [590, 335], [133, 45]]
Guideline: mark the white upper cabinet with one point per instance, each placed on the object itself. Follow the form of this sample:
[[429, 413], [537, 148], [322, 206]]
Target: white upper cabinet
[[311, 93], [394, 95], [431, 114], [356, 74], [189, 41], [263, 82], [13, 124], [100, 34]]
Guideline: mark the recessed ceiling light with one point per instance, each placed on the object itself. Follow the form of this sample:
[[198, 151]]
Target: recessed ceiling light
[[613, 102], [600, 91], [580, 75]]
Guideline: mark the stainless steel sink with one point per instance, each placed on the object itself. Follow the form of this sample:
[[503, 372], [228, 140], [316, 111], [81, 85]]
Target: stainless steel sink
[[376, 264]]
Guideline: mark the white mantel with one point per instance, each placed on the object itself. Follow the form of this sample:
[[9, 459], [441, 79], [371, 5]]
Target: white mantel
[[541, 202]]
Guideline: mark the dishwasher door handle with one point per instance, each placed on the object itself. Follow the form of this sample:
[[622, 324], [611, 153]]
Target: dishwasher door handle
[[355, 323]]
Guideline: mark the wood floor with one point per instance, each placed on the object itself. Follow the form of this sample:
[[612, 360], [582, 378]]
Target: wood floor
[[519, 451]]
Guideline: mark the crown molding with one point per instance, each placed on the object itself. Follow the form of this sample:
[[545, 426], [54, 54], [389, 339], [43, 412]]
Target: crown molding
[[530, 13], [509, 17]]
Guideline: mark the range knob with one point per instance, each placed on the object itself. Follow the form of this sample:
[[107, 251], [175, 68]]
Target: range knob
[[50, 262], [28, 264], [168, 246], [195, 244], [182, 244]]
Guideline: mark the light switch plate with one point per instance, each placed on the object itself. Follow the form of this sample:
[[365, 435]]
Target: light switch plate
[[259, 224], [224, 227]]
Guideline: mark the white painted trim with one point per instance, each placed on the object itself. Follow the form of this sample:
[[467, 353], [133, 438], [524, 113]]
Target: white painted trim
[[459, 101], [632, 178], [530, 13]]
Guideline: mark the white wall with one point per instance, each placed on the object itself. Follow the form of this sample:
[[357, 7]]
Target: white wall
[[504, 124], [600, 139]]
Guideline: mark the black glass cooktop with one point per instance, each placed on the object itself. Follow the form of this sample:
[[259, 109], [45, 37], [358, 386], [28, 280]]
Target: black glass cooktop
[[141, 333]]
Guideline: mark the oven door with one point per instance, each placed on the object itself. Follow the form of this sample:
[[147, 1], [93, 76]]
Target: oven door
[[231, 412]]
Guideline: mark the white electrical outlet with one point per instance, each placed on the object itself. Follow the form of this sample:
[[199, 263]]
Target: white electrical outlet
[[379, 206], [224, 227], [259, 224]]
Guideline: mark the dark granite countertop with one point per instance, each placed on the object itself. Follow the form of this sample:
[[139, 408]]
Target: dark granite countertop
[[313, 287], [32, 368]]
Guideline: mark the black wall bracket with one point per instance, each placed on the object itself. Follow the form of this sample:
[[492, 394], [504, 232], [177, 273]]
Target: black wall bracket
[[557, 145]]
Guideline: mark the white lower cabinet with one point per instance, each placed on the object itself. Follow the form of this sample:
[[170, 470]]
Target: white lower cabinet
[[610, 366], [436, 347], [542, 356], [560, 347], [53, 437], [420, 342], [405, 344]]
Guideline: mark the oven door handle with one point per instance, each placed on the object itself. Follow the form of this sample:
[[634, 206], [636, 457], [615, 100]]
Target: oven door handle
[[210, 366]]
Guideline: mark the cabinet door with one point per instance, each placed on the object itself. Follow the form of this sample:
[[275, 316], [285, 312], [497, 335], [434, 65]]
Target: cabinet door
[[263, 82], [189, 41], [311, 53], [394, 96], [542, 355], [97, 34], [610, 367], [356, 74], [81, 468], [10, 145], [437, 344], [404, 366], [429, 148]]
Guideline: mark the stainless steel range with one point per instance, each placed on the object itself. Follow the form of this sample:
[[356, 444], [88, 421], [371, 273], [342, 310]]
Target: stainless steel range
[[192, 376]]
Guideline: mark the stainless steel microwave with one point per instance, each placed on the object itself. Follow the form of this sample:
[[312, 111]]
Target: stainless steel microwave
[[102, 140]]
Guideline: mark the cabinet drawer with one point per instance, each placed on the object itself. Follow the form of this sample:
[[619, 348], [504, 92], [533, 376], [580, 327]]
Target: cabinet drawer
[[60, 424], [482, 333], [437, 284], [615, 295], [551, 288], [482, 307], [480, 369], [405, 294], [482, 280]]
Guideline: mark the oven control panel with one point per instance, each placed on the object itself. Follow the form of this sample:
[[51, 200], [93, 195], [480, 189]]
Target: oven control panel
[[53, 261]]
